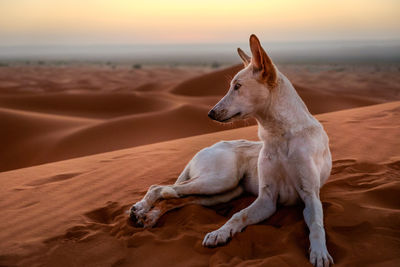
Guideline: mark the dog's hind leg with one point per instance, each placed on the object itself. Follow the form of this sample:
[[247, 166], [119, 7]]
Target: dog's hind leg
[[203, 185], [163, 206], [184, 176]]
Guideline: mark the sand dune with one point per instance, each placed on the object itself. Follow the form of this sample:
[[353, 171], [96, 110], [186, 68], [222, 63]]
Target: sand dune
[[135, 130], [215, 83], [121, 107], [326, 101], [317, 99], [86, 105], [72, 213], [26, 135]]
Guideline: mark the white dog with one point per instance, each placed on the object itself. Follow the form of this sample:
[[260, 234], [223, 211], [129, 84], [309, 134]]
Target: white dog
[[215, 175], [292, 162]]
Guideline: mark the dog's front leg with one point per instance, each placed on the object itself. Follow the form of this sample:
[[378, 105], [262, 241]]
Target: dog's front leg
[[263, 207], [308, 183], [259, 210], [313, 215]]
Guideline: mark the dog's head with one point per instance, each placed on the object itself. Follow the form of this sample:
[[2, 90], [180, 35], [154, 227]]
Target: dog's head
[[250, 88]]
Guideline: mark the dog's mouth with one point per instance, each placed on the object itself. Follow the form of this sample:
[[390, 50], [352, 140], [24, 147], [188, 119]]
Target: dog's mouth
[[234, 116]]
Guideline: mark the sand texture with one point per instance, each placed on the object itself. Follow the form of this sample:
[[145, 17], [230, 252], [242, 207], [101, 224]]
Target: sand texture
[[72, 111], [73, 212]]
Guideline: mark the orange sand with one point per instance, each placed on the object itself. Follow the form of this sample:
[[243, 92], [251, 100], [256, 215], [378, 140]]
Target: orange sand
[[54, 113], [72, 212]]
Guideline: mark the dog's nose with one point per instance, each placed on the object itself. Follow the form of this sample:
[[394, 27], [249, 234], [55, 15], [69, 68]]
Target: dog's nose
[[211, 114]]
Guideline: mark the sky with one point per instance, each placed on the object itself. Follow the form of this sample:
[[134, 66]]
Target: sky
[[102, 22]]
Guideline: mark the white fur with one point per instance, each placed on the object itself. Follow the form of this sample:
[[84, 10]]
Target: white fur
[[292, 162], [215, 175]]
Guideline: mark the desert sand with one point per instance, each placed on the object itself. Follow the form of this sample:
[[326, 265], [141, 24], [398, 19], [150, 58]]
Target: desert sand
[[73, 110], [73, 212]]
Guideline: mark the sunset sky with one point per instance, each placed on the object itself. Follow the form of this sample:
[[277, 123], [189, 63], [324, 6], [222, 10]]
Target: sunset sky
[[44, 22]]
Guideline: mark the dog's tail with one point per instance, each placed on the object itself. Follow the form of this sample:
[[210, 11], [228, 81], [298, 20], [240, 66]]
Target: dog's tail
[[184, 176]]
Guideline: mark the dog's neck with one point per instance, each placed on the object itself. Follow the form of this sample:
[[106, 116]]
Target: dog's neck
[[285, 113]]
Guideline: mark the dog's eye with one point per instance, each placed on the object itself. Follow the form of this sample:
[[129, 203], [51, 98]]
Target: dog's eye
[[237, 86]]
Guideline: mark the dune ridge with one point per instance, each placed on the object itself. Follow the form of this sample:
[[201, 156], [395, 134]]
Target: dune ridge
[[120, 107], [53, 212]]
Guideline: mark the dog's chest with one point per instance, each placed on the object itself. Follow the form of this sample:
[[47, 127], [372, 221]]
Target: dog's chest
[[276, 158], [287, 193]]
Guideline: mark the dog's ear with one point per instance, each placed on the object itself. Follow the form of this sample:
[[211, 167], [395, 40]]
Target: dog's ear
[[245, 58], [262, 63]]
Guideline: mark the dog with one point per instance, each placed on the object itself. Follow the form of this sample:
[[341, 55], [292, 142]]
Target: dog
[[216, 174], [291, 162]]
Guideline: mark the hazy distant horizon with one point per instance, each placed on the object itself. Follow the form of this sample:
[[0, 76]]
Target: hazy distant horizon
[[296, 51], [159, 31]]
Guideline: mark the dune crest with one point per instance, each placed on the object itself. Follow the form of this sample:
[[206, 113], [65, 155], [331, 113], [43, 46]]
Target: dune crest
[[114, 108]]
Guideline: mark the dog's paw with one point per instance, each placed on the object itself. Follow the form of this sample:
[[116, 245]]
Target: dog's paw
[[151, 218], [216, 238], [139, 207], [143, 219], [136, 219], [137, 215], [320, 257]]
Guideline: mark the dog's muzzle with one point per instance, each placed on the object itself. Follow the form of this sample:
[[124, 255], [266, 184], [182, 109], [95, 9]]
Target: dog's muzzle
[[212, 114]]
